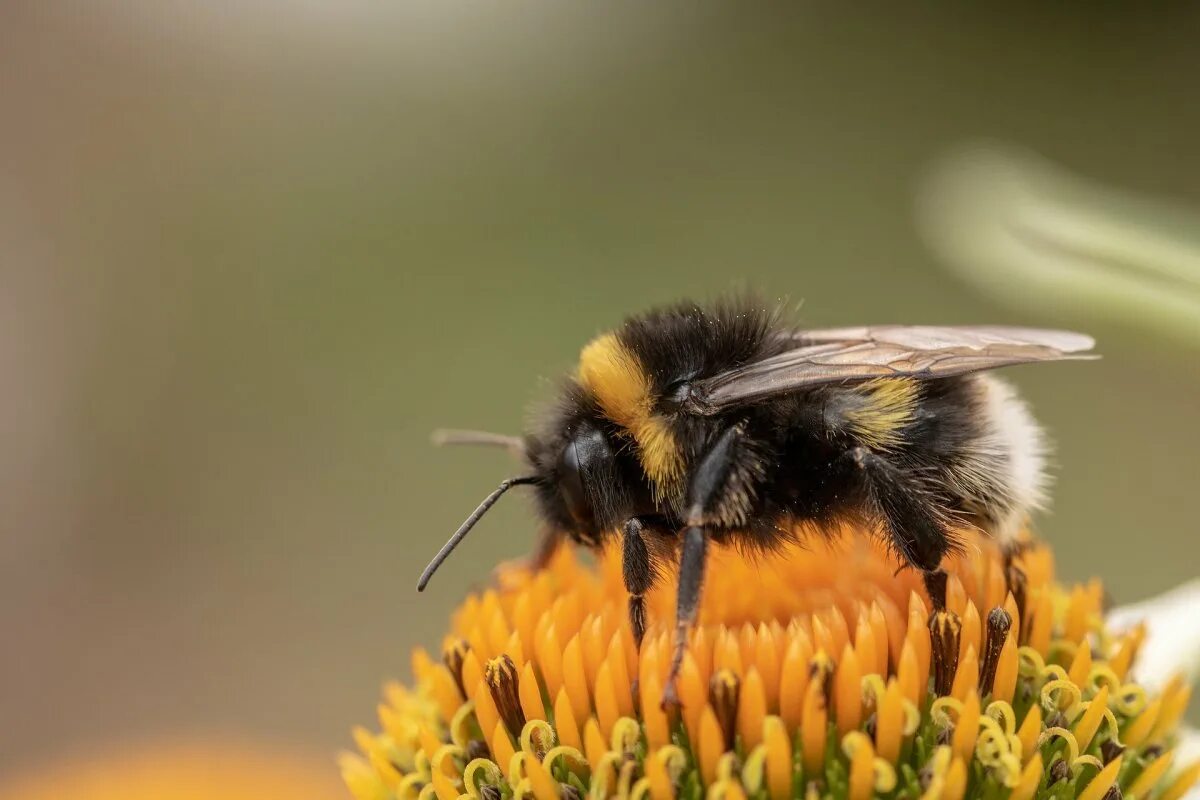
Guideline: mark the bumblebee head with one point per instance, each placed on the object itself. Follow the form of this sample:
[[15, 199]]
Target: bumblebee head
[[582, 479], [583, 465], [590, 480]]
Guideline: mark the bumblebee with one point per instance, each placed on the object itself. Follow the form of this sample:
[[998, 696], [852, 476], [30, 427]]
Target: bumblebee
[[691, 426]]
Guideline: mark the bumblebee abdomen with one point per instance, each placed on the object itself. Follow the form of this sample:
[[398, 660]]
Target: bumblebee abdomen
[[975, 441], [968, 443], [1005, 464]]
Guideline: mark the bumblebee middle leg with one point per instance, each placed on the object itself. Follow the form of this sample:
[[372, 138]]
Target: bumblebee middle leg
[[706, 493], [913, 519], [691, 579]]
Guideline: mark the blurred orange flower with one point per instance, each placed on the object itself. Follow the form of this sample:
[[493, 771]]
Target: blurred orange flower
[[203, 770]]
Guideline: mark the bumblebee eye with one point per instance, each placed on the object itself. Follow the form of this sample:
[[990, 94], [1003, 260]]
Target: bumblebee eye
[[570, 484], [586, 459]]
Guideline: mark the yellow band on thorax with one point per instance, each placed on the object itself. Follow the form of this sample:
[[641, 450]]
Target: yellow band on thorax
[[616, 377]]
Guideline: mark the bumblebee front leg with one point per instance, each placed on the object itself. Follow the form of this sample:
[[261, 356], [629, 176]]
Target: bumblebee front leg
[[547, 545], [639, 573]]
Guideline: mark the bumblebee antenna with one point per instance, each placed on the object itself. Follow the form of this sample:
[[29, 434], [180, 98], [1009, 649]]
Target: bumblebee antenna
[[465, 528], [450, 436]]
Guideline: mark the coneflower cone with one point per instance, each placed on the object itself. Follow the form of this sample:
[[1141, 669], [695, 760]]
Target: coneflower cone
[[816, 673]]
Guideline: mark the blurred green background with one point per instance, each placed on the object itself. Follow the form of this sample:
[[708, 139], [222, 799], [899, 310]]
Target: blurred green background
[[254, 252]]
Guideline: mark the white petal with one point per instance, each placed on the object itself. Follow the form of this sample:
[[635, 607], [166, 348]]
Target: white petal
[[1187, 751], [1172, 643]]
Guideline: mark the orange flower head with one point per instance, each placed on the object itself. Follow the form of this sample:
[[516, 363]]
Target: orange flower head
[[813, 672]]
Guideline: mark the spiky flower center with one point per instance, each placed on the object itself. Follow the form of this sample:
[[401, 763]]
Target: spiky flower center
[[813, 673]]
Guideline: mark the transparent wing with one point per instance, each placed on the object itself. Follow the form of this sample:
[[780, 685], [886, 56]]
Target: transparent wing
[[849, 355], [935, 337]]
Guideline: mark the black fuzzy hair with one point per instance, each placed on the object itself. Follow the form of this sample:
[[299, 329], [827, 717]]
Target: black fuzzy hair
[[687, 340]]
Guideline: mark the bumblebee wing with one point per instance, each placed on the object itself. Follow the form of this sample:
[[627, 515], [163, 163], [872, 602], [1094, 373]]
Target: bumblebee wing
[[934, 337], [854, 355]]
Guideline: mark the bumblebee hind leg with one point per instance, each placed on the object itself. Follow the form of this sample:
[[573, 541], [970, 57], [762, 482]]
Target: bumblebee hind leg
[[913, 519]]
